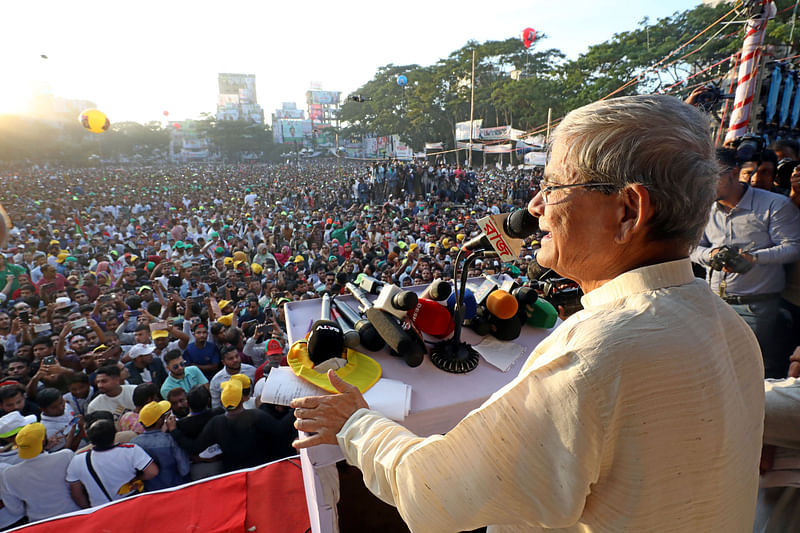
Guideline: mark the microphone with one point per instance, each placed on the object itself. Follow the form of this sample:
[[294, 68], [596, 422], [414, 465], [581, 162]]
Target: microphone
[[504, 329], [498, 235], [391, 298], [502, 304], [351, 336], [389, 329], [432, 318], [370, 339], [470, 304], [326, 339], [543, 315], [369, 284], [396, 301], [438, 290]]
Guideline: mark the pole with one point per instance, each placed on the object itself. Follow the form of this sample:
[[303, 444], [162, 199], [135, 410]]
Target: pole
[[549, 117], [471, 106], [748, 76]]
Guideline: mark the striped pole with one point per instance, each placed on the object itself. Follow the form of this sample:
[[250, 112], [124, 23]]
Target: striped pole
[[748, 71]]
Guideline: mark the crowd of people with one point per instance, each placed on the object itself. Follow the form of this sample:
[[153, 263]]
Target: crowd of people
[[134, 300], [141, 308]]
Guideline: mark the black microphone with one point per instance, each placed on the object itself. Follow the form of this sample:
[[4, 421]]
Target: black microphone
[[389, 329], [517, 225], [439, 290], [370, 339], [326, 339], [351, 336]]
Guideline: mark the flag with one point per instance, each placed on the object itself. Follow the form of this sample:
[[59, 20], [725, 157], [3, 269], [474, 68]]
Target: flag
[[79, 228]]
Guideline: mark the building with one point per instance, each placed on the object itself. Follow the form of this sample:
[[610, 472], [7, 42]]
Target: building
[[237, 98], [323, 112]]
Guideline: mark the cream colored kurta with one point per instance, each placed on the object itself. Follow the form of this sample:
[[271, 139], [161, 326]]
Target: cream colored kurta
[[643, 412]]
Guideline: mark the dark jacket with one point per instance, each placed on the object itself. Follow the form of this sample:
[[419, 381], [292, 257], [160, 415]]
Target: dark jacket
[[157, 371]]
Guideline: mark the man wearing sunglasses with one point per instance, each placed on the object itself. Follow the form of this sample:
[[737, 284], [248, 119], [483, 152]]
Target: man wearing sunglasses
[[641, 412], [180, 375]]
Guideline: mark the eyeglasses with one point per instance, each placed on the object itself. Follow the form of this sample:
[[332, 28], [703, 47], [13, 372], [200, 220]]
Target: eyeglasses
[[547, 189]]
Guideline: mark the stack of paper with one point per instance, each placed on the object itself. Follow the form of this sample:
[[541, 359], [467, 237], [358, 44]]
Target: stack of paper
[[389, 397]]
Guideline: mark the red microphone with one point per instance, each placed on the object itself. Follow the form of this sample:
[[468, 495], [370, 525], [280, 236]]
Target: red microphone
[[432, 318]]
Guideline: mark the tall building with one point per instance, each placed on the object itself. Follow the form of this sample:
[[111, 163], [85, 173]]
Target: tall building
[[323, 112], [237, 98]]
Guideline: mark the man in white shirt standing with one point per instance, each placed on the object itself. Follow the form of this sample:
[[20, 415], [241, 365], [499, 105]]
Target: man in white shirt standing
[[113, 396], [36, 486], [233, 365], [642, 412]]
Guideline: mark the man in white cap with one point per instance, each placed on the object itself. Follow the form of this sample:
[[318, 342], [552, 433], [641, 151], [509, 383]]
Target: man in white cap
[[143, 367], [10, 425], [36, 486]]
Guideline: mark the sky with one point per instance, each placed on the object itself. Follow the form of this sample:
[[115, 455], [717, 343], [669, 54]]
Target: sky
[[138, 59]]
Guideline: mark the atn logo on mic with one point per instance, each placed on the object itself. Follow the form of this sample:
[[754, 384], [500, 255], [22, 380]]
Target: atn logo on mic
[[507, 247]]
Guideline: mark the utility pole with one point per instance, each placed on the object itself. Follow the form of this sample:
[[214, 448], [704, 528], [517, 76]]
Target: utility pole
[[471, 106]]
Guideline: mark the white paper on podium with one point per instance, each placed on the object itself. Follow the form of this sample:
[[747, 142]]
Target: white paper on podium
[[389, 397], [502, 354]]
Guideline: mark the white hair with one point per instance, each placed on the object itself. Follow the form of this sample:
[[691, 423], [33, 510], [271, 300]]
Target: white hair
[[656, 141]]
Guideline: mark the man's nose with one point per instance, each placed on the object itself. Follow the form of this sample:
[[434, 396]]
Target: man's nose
[[536, 205]]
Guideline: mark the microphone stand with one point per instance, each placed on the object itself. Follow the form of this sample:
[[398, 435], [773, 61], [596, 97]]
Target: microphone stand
[[452, 355]]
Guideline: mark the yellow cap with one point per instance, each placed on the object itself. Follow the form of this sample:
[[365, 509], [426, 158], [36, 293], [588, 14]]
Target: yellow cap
[[228, 260], [30, 440], [256, 268], [226, 320], [360, 371], [223, 304], [239, 256], [237, 263], [243, 379], [62, 257], [151, 412], [231, 395]]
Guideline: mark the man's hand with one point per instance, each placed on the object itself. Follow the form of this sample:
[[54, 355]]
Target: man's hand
[[794, 364], [326, 415]]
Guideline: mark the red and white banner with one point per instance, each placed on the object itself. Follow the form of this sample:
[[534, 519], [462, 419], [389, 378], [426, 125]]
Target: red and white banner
[[269, 498]]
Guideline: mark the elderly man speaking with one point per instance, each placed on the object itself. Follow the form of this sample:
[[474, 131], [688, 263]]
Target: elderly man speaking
[[643, 411]]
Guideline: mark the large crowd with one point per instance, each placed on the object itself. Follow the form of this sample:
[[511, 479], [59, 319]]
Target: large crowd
[[142, 308]]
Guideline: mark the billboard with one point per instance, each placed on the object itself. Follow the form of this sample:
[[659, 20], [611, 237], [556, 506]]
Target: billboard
[[371, 147], [401, 150], [462, 130], [500, 133], [294, 130], [289, 113], [238, 84], [323, 97]]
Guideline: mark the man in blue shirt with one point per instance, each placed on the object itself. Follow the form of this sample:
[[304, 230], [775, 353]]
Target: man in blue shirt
[[180, 376], [765, 228], [173, 463], [201, 353]]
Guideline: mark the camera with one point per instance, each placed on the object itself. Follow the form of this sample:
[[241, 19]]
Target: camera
[[730, 257], [25, 317], [174, 281], [749, 147], [710, 98], [783, 172], [562, 292]]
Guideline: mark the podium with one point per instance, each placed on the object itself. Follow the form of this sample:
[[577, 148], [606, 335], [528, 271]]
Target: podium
[[439, 400]]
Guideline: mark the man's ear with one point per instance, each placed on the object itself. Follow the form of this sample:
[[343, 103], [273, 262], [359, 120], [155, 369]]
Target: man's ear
[[635, 212]]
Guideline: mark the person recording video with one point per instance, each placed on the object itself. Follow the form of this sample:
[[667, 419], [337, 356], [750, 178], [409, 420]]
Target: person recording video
[[750, 235]]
